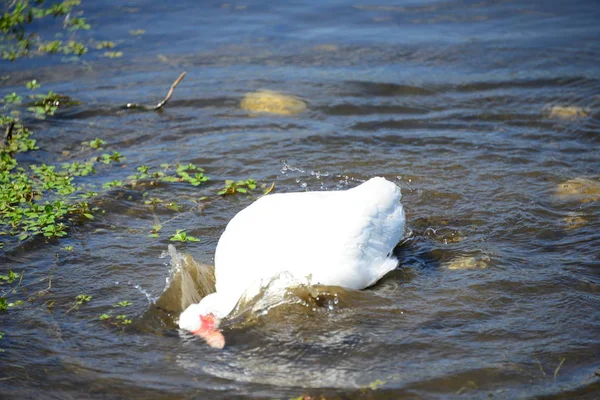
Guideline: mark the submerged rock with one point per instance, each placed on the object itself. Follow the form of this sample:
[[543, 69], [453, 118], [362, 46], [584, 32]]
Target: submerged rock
[[267, 101], [568, 112], [468, 263], [581, 189], [574, 221], [327, 47]]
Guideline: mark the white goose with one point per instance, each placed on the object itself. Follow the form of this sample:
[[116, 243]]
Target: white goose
[[340, 238]]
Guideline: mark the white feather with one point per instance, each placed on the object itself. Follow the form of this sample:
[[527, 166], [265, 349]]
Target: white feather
[[341, 238]]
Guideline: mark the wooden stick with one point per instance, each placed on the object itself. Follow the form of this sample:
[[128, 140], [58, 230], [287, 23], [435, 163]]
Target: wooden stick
[[8, 134], [162, 103]]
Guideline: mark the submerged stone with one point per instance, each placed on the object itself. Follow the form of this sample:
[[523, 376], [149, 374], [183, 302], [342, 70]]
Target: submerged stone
[[581, 189], [574, 221], [267, 101], [327, 47], [468, 263], [568, 112]]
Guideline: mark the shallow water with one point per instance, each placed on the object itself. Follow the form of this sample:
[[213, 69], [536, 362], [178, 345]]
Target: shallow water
[[454, 101]]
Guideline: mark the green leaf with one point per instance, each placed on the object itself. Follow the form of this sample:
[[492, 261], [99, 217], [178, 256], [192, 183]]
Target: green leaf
[[33, 85], [16, 303], [83, 298]]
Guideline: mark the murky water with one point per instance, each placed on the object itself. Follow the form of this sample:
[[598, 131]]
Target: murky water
[[481, 111]]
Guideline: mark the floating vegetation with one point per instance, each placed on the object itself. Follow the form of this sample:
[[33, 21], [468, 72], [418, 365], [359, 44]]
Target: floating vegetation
[[10, 278], [19, 15], [47, 104], [80, 300], [113, 54], [462, 263], [188, 173], [233, 187], [267, 101], [94, 144], [119, 320], [580, 189], [105, 45], [181, 236], [568, 112]]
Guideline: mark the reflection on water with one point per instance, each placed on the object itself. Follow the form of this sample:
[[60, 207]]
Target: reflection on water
[[485, 113]]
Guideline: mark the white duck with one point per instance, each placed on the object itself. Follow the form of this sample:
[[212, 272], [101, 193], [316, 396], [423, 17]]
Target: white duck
[[339, 238]]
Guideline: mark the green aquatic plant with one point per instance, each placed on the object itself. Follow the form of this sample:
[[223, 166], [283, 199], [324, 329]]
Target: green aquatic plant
[[52, 47], [95, 144], [18, 17], [80, 300], [83, 298], [47, 104], [122, 318], [112, 184], [105, 45], [171, 173], [233, 187], [181, 236], [79, 168], [17, 303], [3, 304], [114, 157], [113, 54], [155, 229], [12, 98], [123, 303], [32, 85], [10, 278], [38, 199]]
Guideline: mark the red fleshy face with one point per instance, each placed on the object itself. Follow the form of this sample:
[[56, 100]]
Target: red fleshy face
[[207, 331]]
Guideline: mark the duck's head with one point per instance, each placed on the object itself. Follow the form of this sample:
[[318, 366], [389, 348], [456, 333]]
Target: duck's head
[[204, 322]]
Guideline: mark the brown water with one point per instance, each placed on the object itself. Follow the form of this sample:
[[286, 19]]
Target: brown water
[[463, 104]]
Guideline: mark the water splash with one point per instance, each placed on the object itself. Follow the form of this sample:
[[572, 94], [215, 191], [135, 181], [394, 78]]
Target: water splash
[[188, 282]]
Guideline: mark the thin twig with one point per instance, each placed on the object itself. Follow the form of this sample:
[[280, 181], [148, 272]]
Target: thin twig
[[71, 309], [171, 90], [8, 134], [162, 103], [562, 360], [541, 368]]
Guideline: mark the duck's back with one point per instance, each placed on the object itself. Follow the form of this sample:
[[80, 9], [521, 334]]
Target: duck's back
[[338, 238]]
